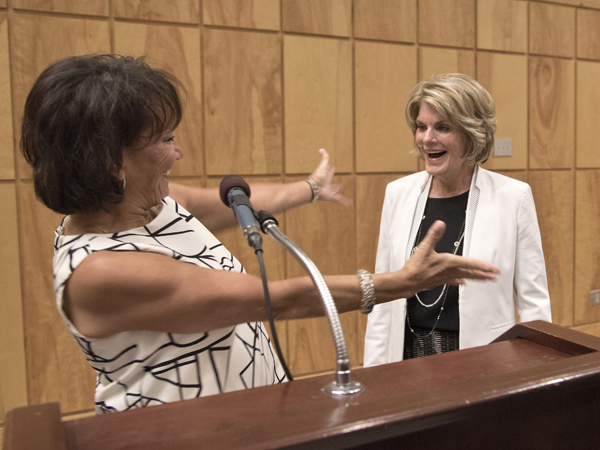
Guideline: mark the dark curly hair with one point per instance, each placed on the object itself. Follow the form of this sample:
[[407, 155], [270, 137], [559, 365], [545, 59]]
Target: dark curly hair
[[80, 114]]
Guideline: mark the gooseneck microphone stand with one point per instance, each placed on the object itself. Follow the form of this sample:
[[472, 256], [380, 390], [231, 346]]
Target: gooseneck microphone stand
[[343, 383]]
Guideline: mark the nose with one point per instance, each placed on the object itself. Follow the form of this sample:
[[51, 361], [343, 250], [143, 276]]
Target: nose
[[429, 135], [178, 150]]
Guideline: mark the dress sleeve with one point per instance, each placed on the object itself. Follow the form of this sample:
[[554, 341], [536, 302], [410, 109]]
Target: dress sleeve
[[530, 281], [378, 326]]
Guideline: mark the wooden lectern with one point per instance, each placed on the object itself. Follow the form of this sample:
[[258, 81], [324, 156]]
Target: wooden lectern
[[536, 387]]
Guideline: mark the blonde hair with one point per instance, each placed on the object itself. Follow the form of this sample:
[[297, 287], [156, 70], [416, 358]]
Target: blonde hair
[[465, 103]]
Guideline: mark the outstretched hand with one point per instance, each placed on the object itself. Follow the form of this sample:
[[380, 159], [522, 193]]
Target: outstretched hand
[[323, 176], [426, 268]]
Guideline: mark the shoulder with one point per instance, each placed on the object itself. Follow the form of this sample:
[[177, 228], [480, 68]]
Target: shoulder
[[487, 179]]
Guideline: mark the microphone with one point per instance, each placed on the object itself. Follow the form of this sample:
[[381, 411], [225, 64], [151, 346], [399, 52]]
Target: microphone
[[235, 193]]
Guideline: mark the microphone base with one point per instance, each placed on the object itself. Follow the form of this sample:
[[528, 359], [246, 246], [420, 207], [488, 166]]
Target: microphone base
[[335, 388]]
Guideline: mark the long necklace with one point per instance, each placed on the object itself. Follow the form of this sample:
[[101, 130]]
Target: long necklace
[[434, 325], [457, 243], [444, 292]]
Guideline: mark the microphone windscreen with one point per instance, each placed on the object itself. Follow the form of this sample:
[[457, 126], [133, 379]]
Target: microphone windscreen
[[229, 182]]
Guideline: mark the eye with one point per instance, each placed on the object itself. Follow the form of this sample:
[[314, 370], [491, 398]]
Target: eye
[[421, 127], [170, 139]]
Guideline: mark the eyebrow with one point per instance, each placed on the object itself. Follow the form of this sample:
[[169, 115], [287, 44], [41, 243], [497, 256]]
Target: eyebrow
[[445, 122]]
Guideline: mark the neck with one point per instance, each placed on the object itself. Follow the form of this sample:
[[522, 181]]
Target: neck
[[444, 188], [112, 221]]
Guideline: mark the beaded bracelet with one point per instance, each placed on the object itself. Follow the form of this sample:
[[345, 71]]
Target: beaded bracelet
[[314, 188], [368, 291]]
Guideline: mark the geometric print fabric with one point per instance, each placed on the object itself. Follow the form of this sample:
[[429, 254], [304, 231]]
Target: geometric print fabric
[[143, 368]]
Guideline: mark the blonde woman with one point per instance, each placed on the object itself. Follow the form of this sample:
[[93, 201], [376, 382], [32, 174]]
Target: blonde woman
[[488, 216]]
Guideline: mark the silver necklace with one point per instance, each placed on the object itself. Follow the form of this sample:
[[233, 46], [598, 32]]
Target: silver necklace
[[444, 292], [454, 251], [434, 325]]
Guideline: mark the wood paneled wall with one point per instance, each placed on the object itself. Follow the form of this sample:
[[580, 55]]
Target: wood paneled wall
[[269, 83]]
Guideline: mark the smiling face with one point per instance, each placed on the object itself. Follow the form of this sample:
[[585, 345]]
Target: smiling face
[[442, 145], [146, 169]]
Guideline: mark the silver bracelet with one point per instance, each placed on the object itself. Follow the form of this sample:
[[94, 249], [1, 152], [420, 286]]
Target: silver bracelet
[[314, 188], [368, 291]]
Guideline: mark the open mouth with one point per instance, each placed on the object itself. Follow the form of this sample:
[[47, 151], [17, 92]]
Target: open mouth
[[435, 155], [167, 173]]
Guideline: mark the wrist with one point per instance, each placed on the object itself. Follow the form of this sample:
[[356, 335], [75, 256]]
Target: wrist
[[392, 286], [367, 288], [314, 189]]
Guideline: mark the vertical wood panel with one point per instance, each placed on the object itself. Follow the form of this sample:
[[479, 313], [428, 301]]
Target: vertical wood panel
[[386, 20], [588, 34], [447, 22], [551, 29], [330, 17], [588, 114], [502, 25], [176, 50], [184, 11], [7, 156], [505, 78], [56, 368], [385, 75], [86, 7], [433, 61], [243, 104], [551, 113], [317, 102], [587, 245], [13, 377], [370, 192], [37, 41], [553, 192], [326, 232], [261, 14]]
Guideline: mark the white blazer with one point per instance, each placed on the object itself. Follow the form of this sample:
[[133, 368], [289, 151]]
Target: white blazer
[[501, 228]]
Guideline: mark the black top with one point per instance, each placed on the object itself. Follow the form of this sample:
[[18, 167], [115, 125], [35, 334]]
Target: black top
[[452, 211]]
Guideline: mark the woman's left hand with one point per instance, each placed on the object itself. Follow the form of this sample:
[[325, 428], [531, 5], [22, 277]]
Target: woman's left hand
[[323, 176]]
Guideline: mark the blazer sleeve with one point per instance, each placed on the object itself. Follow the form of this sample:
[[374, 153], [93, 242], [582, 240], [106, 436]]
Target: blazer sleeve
[[377, 336], [530, 281]]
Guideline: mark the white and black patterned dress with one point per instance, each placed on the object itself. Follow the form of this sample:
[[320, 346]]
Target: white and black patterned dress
[[142, 368]]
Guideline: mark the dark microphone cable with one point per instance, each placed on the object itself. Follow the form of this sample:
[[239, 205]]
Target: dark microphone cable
[[236, 182]]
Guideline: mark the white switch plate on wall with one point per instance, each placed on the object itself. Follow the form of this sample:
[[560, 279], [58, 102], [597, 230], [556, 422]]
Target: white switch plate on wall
[[595, 298], [503, 147]]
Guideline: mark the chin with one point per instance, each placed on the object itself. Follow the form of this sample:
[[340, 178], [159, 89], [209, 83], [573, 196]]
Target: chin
[[434, 170]]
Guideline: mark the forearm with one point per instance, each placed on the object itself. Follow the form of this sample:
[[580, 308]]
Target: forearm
[[206, 204], [280, 197], [298, 298]]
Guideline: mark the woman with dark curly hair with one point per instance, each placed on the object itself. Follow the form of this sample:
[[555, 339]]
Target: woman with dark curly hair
[[161, 310], [488, 216]]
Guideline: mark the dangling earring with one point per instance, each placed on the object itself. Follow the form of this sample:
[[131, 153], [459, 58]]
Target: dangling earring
[[124, 181]]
